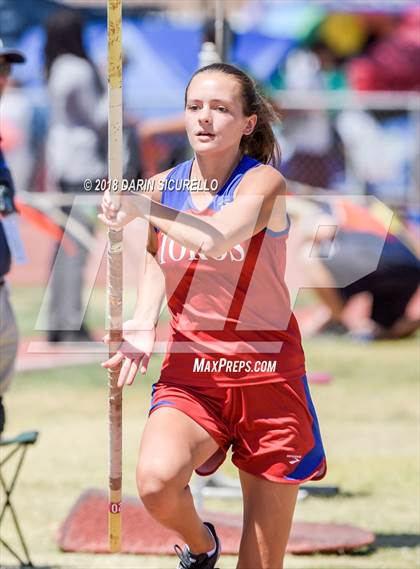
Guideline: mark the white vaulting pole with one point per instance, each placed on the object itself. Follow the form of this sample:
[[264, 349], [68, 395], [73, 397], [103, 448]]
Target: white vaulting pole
[[114, 270]]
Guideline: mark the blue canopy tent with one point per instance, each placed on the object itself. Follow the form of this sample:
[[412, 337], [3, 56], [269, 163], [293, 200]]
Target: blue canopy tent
[[160, 58], [260, 55], [159, 61], [31, 44]]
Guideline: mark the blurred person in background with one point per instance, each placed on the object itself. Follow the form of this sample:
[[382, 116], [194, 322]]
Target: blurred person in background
[[312, 150], [75, 151], [352, 240], [8, 237]]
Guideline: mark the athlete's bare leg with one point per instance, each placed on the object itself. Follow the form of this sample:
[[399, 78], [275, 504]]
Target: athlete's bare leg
[[268, 513], [403, 328], [172, 446]]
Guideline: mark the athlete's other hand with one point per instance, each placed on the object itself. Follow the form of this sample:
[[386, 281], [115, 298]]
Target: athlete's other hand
[[134, 352], [116, 217]]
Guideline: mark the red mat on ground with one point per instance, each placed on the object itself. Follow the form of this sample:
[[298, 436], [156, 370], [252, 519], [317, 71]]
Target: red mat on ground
[[85, 530]]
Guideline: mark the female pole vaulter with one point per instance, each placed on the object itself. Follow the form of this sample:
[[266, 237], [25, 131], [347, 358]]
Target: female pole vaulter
[[234, 372]]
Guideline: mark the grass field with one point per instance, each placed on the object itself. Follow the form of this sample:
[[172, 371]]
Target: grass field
[[369, 417]]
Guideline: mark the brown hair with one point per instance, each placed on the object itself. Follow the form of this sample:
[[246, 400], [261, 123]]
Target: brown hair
[[261, 144], [64, 35]]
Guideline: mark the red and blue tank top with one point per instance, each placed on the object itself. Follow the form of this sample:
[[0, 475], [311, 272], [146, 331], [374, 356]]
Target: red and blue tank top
[[231, 320]]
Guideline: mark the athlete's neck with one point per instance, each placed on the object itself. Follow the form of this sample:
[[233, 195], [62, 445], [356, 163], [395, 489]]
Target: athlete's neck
[[209, 168]]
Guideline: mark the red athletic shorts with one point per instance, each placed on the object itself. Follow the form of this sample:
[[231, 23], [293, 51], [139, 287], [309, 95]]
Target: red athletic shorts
[[272, 428]]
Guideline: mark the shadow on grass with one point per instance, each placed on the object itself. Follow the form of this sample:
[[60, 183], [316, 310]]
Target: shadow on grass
[[397, 540], [350, 494], [385, 541], [389, 541], [333, 492], [18, 566]]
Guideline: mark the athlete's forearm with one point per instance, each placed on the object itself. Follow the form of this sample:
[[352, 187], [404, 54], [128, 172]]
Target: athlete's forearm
[[188, 230], [150, 293]]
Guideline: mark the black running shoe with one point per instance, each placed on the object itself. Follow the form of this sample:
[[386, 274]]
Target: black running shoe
[[188, 560]]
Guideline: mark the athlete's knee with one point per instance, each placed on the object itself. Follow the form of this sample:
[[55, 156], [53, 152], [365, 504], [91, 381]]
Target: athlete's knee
[[158, 490], [156, 497]]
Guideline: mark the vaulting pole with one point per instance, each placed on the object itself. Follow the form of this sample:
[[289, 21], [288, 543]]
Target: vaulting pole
[[114, 270], [219, 28]]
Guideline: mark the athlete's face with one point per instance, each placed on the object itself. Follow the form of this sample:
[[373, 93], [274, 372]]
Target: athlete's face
[[214, 116]]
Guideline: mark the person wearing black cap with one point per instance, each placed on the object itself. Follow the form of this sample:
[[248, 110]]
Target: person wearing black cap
[[8, 327]]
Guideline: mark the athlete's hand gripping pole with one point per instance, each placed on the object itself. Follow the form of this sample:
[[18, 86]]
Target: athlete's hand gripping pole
[[114, 270]]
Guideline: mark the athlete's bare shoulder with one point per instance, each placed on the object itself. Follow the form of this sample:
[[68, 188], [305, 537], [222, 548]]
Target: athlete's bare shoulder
[[263, 180]]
